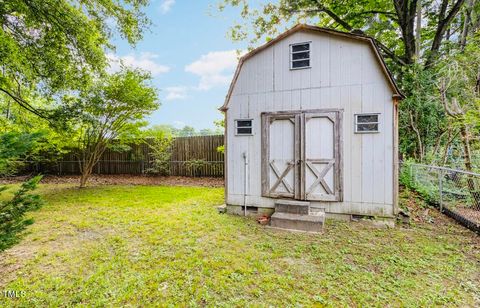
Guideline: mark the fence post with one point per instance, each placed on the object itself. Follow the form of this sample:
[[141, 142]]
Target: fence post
[[440, 189]]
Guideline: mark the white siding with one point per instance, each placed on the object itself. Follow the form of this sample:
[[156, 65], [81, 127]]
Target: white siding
[[344, 74]]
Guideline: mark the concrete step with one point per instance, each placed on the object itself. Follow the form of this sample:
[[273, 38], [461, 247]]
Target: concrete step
[[292, 207], [309, 223]]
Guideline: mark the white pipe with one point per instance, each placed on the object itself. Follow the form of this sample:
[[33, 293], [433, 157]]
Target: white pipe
[[245, 184]]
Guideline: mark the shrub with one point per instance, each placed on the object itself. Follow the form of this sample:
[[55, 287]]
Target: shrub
[[194, 166], [12, 212], [14, 146], [161, 152]]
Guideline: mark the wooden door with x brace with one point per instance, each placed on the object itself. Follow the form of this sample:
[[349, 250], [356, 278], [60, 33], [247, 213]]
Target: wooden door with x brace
[[302, 155]]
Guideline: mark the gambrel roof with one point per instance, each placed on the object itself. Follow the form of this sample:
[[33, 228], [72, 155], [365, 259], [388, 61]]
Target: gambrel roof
[[302, 27]]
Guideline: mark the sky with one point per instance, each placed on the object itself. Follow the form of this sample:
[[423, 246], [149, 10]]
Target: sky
[[190, 58]]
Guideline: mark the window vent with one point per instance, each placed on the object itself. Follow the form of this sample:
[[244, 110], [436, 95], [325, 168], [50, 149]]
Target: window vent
[[367, 123], [300, 55], [243, 127]]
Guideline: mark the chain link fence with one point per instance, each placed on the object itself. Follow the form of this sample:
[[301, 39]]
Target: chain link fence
[[455, 192]]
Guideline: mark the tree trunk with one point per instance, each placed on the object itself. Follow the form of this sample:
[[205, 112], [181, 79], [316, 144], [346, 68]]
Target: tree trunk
[[466, 147], [418, 30], [419, 138], [406, 11], [450, 139], [444, 21], [86, 172], [466, 23], [474, 193], [437, 145]]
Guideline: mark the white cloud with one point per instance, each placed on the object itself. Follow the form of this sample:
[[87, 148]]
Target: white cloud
[[215, 68], [145, 61], [166, 6], [174, 93], [178, 124]]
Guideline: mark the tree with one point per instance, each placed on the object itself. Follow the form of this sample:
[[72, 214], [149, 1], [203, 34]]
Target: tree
[[113, 109], [13, 147], [379, 19], [186, 131], [51, 46], [159, 139], [12, 212], [459, 92]]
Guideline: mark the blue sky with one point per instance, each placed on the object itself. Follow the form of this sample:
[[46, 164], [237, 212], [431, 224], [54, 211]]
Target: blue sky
[[190, 57]]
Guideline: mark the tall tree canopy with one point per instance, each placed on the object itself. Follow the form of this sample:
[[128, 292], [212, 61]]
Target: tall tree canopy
[[422, 27], [113, 109], [48, 47]]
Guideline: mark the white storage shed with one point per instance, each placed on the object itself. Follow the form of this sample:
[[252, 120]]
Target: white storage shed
[[311, 117]]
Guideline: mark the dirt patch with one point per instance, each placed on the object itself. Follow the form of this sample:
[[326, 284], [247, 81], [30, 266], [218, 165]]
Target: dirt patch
[[470, 214], [119, 179]]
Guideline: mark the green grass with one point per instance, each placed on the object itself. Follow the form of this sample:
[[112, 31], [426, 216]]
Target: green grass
[[126, 245]]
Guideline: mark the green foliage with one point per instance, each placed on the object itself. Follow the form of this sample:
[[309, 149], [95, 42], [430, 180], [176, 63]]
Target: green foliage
[[422, 117], [51, 46], [460, 78], [428, 190], [160, 144], [194, 165], [221, 149], [15, 146], [406, 174], [113, 109], [379, 19], [186, 131], [12, 212], [220, 124]]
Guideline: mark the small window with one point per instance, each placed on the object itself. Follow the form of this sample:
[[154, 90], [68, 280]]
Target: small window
[[367, 123], [243, 127], [300, 55]]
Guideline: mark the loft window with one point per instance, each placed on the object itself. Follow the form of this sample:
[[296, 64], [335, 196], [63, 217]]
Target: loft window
[[243, 127], [367, 123], [300, 55]]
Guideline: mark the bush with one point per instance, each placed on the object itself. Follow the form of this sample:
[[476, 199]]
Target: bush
[[12, 212], [194, 166], [426, 190], [13, 147], [161, 152]]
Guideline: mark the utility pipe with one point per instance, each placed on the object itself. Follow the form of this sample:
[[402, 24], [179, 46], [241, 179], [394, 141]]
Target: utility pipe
[[245, 158]]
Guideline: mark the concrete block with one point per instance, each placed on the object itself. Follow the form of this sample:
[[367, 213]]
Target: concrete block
[[292, 207], [309, 223]]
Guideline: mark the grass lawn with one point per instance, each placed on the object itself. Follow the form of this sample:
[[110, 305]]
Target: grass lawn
[[145, 245]]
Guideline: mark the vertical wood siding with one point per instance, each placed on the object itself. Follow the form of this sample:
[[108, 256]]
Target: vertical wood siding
[[344, 74]]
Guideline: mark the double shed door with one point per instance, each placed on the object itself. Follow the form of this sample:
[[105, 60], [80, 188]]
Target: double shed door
[[301, 155]]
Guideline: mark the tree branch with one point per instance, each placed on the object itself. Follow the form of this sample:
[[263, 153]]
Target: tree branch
[[25, 105], [443, 24], [389, 53]]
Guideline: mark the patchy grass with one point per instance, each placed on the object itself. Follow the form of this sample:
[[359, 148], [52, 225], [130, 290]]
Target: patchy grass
[[139, 245]]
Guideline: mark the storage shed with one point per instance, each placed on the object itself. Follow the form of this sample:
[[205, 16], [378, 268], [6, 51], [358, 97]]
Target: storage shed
[[311, 120]]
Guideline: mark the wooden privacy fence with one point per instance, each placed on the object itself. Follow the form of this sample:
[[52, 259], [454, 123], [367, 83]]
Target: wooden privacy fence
[[190, 156]]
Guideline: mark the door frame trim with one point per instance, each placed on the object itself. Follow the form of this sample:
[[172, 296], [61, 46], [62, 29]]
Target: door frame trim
[[299, 144], [266, 120]]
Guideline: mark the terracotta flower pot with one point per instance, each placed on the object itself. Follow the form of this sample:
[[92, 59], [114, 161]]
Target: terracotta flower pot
[[263, 220]]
